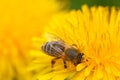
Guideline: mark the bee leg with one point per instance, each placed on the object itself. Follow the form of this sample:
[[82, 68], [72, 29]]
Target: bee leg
[[65, 65], [53, 61], [75, 64], [74, 45]]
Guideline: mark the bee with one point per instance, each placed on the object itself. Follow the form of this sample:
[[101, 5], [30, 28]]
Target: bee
[[60, 50]]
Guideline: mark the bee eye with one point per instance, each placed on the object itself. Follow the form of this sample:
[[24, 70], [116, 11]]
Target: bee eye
[[82, 54]]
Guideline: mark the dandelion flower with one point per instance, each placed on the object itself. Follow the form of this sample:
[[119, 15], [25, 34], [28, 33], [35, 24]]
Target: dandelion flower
[[95, 32], [19, 21]]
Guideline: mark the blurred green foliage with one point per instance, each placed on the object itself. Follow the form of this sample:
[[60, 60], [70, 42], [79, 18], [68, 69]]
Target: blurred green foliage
[[76, 4]]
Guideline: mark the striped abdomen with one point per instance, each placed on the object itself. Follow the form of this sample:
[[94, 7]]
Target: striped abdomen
[[53, 48]]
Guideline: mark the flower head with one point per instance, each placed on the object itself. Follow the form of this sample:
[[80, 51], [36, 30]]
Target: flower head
[[95, 32]]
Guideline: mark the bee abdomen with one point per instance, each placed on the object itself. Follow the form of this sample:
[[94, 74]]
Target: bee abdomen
[[53, 48]]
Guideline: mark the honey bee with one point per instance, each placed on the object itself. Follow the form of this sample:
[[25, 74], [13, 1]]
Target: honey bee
[[60, 50]]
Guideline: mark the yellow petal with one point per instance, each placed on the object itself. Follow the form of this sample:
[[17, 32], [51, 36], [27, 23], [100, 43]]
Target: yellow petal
[[89, 69], [80, 66], [99, 72]]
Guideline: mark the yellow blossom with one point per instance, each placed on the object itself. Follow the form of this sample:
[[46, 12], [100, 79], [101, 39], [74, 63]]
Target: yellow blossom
[[95, 32], [19, 21]]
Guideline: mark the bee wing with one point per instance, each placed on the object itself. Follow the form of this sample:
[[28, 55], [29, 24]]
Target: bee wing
[[59, 52], [54, 50], [61, 41], [53, 37]]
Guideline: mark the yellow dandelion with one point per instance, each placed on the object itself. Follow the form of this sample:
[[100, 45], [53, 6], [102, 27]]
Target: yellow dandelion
[[95, 32], [19, 21]]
